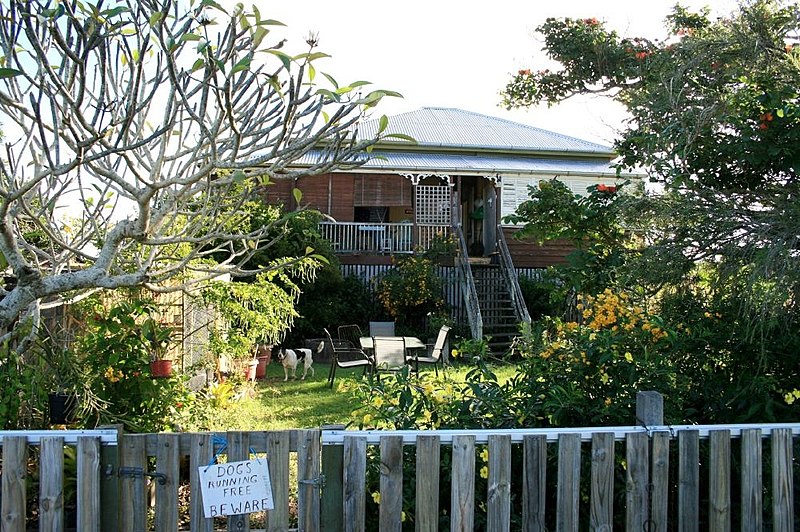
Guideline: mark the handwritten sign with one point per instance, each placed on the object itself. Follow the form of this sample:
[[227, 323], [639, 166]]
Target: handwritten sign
[[236, 488]]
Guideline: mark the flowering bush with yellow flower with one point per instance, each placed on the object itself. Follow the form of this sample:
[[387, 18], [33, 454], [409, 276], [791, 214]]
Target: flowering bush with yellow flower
[[588, 372]]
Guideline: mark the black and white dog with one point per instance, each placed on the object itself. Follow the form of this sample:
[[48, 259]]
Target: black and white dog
[[290, 358]]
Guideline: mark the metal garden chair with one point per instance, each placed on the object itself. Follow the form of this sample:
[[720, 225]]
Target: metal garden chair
[[436, 355], [346, 356]]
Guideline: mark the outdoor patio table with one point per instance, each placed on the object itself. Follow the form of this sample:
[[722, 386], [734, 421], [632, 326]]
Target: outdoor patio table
[[412, 342]]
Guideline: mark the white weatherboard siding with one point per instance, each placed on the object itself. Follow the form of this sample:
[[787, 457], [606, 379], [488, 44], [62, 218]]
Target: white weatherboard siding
[[515, 189]]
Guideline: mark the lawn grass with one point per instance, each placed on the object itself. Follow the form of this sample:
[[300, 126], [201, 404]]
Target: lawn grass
[[301, 404]]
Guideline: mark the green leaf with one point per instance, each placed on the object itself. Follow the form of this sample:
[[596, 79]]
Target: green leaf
[[401, 136], [383, 123], [271, 22], [189, 37], [297, 194], [54, 13], [9, 72], [312, 72], [285, 59], [212, 3], [329, 94], [276, 85], [156, 17], [392, 94], [198, 64], [311, 56], [258, 36], [331, 80], [780, 113], [238, 176], [371, 99], [243, 64], [107, 13]]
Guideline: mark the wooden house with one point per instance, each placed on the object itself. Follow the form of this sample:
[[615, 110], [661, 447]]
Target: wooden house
[[464, 174]]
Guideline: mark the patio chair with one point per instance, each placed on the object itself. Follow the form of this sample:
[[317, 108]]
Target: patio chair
[[436, 355], [381, 328], [350, 333], [346, 356], [389, 353]]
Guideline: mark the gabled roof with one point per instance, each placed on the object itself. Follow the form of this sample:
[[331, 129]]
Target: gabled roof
[[447, 129]]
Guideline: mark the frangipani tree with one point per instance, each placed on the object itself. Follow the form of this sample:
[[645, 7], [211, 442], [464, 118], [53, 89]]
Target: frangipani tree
[[129, 130]]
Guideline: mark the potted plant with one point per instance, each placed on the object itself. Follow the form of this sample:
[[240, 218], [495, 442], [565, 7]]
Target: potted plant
[[59, 369], [158, 336], [263, 354], [61, 406]]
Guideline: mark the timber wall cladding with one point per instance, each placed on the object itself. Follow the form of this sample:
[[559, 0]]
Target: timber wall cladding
[[529, 254]]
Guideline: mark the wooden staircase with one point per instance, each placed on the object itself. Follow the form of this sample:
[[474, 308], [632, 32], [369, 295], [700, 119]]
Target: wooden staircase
[[500, 320]]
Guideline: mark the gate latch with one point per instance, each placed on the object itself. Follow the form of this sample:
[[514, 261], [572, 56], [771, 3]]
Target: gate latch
[[138, 472]]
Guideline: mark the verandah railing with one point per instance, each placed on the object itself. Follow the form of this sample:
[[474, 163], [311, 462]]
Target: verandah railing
[[672, 478], [381, 238], [352, 237]]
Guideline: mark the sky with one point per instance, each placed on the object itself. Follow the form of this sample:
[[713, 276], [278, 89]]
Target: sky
[[447, 53]]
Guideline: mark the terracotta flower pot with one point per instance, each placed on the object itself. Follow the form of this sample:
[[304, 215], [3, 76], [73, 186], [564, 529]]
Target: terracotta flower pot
[[250, 370], [261, 369], [161, 368]]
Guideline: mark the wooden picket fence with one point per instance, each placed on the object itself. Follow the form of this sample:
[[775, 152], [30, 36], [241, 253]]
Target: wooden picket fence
[[683, 478]]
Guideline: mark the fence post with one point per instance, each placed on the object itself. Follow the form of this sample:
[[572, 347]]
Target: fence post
[[332, 471], [14, 497], [238, 449], [308, 480], [644, 478], [110, 482], [649, 408]]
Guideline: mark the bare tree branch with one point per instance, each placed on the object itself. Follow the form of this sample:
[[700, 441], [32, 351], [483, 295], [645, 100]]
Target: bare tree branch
[[127, 129]]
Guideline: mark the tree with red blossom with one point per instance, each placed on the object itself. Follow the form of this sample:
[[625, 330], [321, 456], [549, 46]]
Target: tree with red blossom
[[714, 120]]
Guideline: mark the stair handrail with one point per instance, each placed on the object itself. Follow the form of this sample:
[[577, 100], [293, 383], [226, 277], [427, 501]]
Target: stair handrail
[[511, 277], [467, 284]]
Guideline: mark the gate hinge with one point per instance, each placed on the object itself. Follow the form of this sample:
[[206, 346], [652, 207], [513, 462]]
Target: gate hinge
[[318, 482], [138, 472]]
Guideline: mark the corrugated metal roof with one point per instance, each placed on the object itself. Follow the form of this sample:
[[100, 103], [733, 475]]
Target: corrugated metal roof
[[484, 164], [458, 129]]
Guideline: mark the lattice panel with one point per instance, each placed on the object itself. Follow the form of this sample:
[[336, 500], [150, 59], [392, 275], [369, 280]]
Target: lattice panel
[[433, 205]]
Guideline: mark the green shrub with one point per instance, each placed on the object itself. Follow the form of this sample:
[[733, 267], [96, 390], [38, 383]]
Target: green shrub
[[115, 349], [410, 291]]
